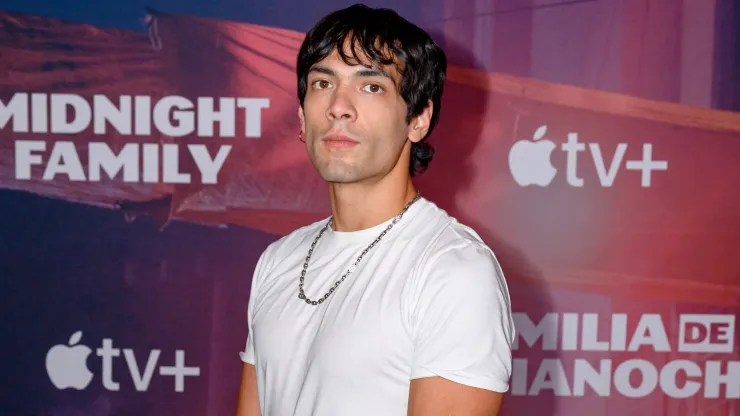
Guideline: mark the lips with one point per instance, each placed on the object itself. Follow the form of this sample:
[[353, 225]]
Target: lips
[[339, 141]]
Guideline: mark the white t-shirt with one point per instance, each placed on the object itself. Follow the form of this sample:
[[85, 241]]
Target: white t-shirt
[[429, 299]]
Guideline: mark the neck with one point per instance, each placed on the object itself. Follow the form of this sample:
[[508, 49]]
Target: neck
[[359, 206]]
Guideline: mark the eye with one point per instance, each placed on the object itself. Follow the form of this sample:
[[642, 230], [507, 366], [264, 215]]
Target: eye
[[373, 88], [321, 84]]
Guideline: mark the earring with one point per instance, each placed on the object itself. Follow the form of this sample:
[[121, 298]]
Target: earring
[[300, 137]]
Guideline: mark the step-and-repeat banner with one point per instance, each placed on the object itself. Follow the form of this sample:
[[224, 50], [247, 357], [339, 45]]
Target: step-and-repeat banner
[[143, 173]]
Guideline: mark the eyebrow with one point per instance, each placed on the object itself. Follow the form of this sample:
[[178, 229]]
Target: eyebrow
[[367, 72]]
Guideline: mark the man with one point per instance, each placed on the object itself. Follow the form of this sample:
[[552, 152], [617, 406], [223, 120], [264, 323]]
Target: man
[[390, 306]]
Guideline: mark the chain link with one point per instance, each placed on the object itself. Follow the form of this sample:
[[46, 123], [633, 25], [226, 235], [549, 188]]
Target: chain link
[[353, 267]]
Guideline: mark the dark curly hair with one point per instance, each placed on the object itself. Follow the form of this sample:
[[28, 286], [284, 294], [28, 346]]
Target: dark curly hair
[[420, 61]]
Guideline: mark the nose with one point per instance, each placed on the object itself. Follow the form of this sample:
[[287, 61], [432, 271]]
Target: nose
[[341, 107]]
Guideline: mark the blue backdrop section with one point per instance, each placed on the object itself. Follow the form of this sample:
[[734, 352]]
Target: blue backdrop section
[[127, 14], [68, 267]]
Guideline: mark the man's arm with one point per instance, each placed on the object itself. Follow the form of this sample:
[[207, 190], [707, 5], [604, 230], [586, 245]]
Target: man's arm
[[433, 396], [248, 403]]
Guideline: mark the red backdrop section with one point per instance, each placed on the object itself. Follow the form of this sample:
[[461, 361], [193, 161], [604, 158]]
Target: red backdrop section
[[674, 238], [42, 55]]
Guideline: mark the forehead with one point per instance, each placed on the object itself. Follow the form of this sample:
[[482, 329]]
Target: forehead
[[356, 59]]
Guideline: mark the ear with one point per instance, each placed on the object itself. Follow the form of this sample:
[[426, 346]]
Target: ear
[[419, 125], [302, 118]]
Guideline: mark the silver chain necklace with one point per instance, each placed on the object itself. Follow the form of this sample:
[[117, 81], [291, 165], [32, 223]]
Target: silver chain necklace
[[302, 295]]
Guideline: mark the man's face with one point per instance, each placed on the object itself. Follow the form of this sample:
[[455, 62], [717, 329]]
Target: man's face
[[354, 120]]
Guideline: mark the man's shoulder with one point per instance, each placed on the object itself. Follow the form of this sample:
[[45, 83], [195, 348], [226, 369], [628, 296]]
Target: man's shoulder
[[458, 245], [450, 251], [295, 238], [447, 236]]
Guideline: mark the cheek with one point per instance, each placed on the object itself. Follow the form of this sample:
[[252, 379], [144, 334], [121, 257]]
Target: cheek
[[314, 109], [399, 116], [385, 115], [312, 114]]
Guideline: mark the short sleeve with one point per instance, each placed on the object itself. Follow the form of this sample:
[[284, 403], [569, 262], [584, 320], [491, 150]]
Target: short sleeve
[[462, 323], [247, 355]]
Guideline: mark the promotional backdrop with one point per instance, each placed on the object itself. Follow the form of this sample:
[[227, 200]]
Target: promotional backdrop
[[149, 154]]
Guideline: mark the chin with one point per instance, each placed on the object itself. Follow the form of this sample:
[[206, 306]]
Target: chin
[[339, 176], [341, 173], [338, 171]]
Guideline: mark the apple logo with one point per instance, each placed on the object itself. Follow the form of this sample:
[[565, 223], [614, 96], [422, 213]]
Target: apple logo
[[66, 365], [529, 161]]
